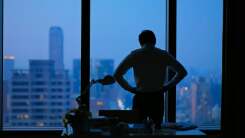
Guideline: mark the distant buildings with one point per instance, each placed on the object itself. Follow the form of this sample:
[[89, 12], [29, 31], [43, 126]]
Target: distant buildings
[[195, 101], [102, 97], [101, 68], [39, 96], [5, 100]]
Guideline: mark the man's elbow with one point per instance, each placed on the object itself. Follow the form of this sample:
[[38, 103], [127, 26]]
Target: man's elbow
[[117, 76], [184, 73]]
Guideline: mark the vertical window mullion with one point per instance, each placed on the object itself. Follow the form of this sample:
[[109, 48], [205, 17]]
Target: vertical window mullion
[[85, 50], [171, 47]]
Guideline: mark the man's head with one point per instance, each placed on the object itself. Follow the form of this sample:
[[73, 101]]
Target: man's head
[[147, 37]]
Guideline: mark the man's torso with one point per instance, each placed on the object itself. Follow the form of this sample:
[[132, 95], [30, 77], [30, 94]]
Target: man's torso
[[149, 68]]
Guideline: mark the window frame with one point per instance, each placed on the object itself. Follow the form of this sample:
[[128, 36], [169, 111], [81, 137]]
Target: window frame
[[171, 48], [1, 64], [85, 62]]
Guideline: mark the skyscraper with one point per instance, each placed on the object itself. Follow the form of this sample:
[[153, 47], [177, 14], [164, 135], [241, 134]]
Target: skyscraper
[[8, 66], [56, 40], [76, 76]]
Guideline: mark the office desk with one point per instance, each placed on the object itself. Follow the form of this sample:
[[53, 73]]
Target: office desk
[[106, 129], [166, 134]]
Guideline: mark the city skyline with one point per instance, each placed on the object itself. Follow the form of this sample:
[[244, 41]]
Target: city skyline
[[100, 96]]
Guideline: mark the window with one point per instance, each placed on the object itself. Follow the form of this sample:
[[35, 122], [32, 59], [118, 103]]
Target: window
[[42, 26], [115, 26], [42, 38], [199, 48]]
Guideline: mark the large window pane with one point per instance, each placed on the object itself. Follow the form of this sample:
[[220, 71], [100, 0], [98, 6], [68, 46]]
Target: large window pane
[[199, 48], [42, 45], [115, 26]]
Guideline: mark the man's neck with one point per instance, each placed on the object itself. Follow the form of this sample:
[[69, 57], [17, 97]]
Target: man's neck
[[148, 46]]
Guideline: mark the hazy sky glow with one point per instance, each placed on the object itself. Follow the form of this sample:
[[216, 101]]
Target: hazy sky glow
[[199, 34], [115, 26], [27, 23]]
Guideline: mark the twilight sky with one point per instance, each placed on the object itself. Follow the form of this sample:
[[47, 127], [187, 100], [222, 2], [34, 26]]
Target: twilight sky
[[115, 25]]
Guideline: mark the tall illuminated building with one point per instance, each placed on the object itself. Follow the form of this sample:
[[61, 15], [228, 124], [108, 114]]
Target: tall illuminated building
[[8, 67], [76, 76]]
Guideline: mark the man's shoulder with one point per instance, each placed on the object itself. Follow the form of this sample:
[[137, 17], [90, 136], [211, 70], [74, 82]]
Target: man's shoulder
[[136, 50], [161, 50], [140, 51]]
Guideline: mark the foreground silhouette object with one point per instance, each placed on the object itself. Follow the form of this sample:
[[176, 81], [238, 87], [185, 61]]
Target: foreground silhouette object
[[150, 66], [107, 80], [80, 118]]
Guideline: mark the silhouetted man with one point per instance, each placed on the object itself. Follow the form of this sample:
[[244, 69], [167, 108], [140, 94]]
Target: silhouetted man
[[150, 68]]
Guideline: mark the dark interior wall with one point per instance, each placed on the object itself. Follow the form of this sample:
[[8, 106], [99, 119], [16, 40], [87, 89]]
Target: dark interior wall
[[1, 56], [233, 68]]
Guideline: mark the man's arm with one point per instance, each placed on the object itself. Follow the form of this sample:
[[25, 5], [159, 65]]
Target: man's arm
[[121, 70], [180, 72]]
